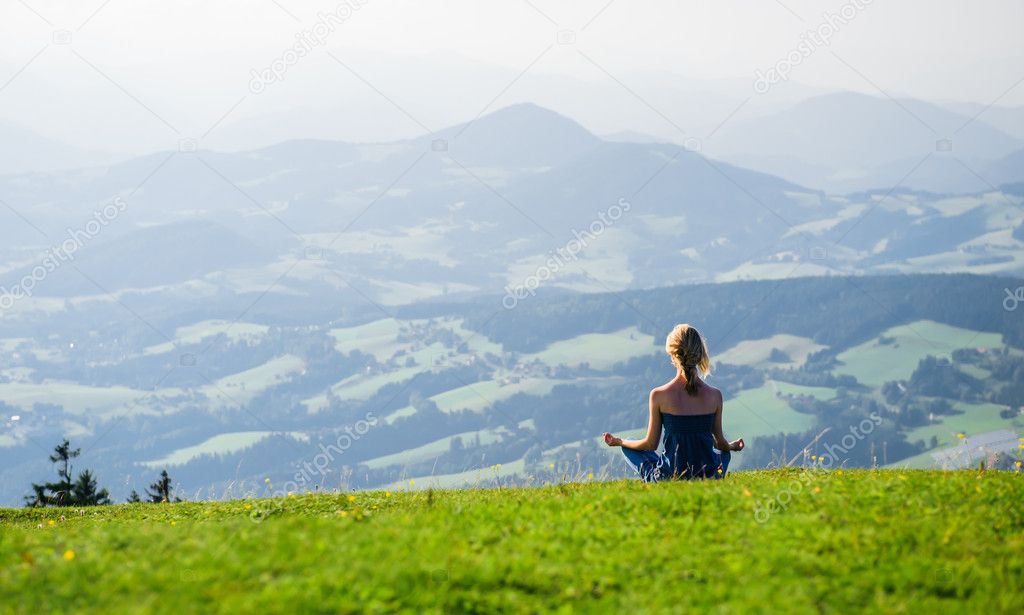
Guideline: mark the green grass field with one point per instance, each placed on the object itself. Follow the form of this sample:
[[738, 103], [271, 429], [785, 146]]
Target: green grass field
[[837, 542], [874, 364], [438, 447], [479, 396], [757, 352], [243, 387], [760, 412], [80, 399], [976, 418], [221, 444], [600, 350], [196, 333], [379, 338]]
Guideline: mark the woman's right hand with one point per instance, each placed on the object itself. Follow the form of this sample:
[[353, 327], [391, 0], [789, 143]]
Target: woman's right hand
[[611, 440], [737, 445]]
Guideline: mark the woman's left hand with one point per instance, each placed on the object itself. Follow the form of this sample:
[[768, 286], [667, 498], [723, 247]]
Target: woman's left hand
[[611, 440]]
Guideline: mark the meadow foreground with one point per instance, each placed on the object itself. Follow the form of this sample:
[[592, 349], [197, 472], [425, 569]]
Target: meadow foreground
[[766, 541]]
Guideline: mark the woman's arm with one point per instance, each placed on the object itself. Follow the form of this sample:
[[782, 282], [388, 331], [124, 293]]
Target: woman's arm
[[650, 442], [720, 442]]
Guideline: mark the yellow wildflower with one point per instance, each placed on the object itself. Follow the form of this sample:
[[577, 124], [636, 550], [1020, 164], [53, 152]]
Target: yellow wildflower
[[961, 436], [387, 494], [412, 482], [69, 555], [343, 513], [351, 498], [51, 523]]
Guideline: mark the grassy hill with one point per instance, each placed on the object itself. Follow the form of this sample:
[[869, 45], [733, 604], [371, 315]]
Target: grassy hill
[[793, 540]]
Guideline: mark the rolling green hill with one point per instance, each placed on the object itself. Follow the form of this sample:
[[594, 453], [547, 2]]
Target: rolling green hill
[[797, 540]]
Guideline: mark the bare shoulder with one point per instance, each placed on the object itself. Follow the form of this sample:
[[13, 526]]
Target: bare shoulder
[[714, 393], [658, 392], [661, 389]]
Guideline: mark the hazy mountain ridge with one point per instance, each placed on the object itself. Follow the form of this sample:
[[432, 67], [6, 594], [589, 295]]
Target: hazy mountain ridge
[[480, 206], [24, 151], [155, 256], [845, 142]]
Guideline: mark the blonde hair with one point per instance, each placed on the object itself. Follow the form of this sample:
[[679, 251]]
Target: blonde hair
[[689, 353]]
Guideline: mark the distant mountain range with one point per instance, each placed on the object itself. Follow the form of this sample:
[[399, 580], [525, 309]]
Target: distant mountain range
[[24, 151], [837, 142], [482, 207], [1007, 119], [847, 142]]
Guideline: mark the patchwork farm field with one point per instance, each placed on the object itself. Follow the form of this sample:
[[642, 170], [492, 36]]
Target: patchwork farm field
[[897, 351], [217, 445], [759, 352], [395, 351], [770, 541], [975, 418], [761, 411], [599, 350]]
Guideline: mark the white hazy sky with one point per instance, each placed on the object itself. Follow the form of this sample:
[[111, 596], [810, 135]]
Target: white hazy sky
[[190, 59]]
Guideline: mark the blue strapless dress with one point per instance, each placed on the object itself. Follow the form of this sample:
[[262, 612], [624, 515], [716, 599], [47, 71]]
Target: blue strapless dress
[[690, 451]]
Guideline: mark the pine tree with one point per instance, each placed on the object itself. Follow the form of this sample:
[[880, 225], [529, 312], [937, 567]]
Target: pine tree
[[160, 491], [38, 499], [64, 492], [134, 497], [85, 493], [60, 492]]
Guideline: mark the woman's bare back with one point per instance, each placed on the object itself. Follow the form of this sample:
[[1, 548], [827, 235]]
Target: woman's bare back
[[672, 398]]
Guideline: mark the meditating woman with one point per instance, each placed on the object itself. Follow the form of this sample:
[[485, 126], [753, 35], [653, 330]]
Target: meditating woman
[[689, 411]]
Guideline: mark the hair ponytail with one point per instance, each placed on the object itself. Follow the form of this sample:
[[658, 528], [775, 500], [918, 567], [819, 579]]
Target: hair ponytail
[[689, 353], [692, 382]]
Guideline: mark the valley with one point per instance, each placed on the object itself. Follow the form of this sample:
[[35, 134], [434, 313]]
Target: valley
[[470, 393]]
